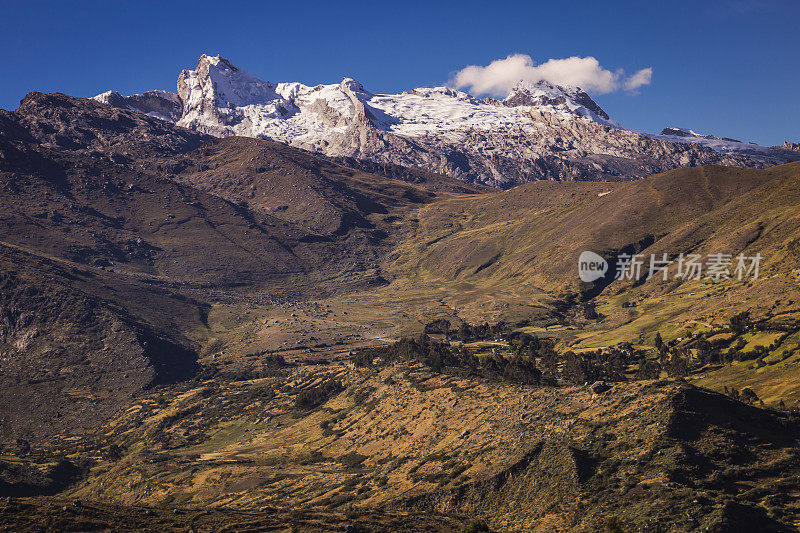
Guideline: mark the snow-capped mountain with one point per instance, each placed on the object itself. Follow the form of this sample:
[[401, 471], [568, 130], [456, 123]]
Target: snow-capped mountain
[[159, 104], [540, 131], [720, 144], [566, 99]]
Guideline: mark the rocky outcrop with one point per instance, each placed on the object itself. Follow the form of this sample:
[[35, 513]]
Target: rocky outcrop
[[545, 94], [159, 104], [77, 124], [689, 134]]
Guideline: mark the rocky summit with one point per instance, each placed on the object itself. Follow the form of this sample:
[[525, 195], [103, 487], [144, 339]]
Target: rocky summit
[[539, 131]]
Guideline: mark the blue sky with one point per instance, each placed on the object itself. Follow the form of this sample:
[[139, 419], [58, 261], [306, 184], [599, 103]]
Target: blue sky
[[726, 67]]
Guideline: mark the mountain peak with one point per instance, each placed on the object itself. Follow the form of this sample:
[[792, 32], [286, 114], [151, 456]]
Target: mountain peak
[[228, 83], [523, 85], [686, 133], [216, 61], [352, 85], [566, 98], [541, 130], [159, 104], [216, 89]]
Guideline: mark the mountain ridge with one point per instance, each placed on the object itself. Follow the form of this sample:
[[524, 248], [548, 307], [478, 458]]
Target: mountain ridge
[[540, 131]]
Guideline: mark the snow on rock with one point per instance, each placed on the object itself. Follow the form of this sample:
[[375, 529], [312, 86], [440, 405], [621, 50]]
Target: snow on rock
[[224, 100], [718, 144], [567, 100], [159, 104], [540, 131]]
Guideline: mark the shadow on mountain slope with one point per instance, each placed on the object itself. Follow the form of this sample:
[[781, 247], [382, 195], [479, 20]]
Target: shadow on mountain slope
[[74, 350], [695, 460]]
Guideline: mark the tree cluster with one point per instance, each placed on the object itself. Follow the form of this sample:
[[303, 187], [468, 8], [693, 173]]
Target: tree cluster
[[467, 332], [442, 357]]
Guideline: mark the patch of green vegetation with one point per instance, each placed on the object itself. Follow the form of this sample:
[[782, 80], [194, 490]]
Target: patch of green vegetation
[[762, 339], [227, 434]]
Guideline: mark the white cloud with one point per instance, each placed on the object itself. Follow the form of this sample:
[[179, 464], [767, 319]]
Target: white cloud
[[639, 79], [498, 77]]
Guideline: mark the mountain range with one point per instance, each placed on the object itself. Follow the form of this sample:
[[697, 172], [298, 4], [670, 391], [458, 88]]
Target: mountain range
[[204, 326], [539, 131]]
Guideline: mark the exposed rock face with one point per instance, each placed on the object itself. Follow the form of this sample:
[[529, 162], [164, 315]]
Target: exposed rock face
[[159, 104], [571, 99], [540, 131], [58, 341], [791, 146], [692, 135], [77, 124], [683, 132]]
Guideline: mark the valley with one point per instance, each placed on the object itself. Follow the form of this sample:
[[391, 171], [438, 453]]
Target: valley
[[230, 333]]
